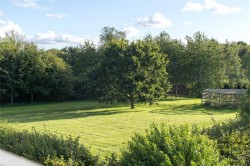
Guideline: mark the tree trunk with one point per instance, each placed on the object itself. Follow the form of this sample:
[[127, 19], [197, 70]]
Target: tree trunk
[[12, 96], [176, 90], [32, 97], [131, 99]]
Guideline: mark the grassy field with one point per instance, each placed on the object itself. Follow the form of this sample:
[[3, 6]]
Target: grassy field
[[107, 128]]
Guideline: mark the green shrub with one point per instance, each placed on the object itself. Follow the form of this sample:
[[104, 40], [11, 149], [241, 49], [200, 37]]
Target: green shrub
[[233, 139], [59, 162], [172, 146], [38, 147], [240, 123], [113, 160], [236, 147], [245, 109]]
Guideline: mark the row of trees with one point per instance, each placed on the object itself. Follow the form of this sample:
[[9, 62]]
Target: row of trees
[[205, 63], [27, 71], [118, 69]]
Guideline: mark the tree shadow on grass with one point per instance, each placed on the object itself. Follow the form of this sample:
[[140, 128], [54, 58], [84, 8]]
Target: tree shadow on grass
[[193, 109], [70, 112], [175, 98], [84, 105]]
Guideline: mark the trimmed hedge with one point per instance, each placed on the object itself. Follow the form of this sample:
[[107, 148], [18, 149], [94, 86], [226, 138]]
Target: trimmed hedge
[[45, 148]]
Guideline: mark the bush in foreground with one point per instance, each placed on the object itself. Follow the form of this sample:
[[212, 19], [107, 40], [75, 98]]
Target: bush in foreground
[[45, 148], [233, 139], [172, 146]]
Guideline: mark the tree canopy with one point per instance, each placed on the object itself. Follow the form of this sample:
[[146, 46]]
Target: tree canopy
[[130, 70], [118, 69]]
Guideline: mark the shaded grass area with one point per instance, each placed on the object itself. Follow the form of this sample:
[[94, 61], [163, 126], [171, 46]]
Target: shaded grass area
[[107, 128]]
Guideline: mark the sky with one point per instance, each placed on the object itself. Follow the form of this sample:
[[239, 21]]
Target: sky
[[61, 23]]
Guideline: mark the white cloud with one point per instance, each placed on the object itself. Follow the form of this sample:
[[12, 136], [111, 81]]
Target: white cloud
[[187, 23], [47, 36], [212, 5], [192, 6], [6, 26], [51, 37], [28, 4], [155, 21], [59, 16], [131, 31], [219, 8]]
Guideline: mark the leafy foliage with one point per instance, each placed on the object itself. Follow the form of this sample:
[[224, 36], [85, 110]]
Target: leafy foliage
[[10, 48], [205, 63], [60, 161], [44, 148], [175, 52], [58, 80], [108, 34], [171, 146], [234, 74], [28, 71], [118, 69], [131, 70], [233, 139]]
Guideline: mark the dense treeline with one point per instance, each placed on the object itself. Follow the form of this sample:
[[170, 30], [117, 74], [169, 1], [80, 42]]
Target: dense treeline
[[119, 70], [31, 73]]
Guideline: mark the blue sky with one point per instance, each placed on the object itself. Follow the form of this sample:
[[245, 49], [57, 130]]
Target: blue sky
[[60, 23]]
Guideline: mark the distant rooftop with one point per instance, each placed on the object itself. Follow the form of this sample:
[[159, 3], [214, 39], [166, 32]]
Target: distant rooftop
[[226, 91]]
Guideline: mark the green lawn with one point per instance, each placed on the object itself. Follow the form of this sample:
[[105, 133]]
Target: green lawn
[[107, 128]]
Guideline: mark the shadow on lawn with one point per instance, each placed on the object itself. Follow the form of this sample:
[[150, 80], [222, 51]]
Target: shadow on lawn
[[37, 115], [193, 109], [175, 98]]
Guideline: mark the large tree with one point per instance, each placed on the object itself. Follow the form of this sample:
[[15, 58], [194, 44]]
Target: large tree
[[86, 61], [205, 63], [32, 70], [108, 34], [130, 70], [68, 54], [10, 47], [174, 49], [234, 75], [58, 80]]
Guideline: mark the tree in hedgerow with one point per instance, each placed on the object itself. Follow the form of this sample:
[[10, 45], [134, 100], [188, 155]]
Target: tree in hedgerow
[[129, 70]]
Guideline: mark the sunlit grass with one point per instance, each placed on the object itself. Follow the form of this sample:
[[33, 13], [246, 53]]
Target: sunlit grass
[[107, 128]]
